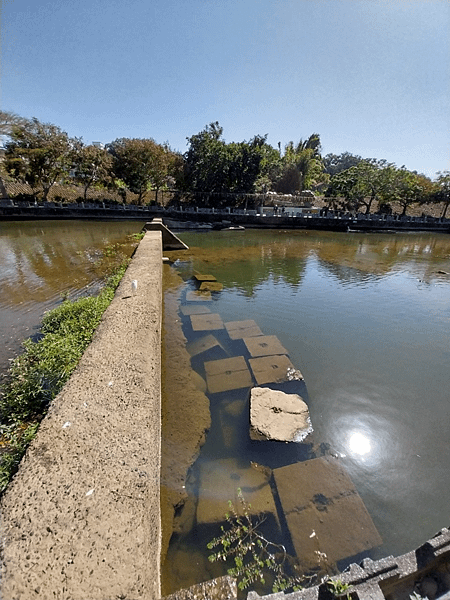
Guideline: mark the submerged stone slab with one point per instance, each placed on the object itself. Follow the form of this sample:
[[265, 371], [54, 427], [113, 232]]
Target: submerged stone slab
[[212, 286], [219, 483], [227, 374], [207, 322], [194, 309], [197, 296], [264, 345], [272, 369], [275, 415], [323, 510], [203, 277], [209, 344], [242, 329]]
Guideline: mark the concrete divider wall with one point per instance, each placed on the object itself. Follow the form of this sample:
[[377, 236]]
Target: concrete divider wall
[[81, 519]]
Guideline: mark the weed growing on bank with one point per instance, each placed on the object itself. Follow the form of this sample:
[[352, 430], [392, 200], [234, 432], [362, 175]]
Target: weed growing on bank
[[37, 376]]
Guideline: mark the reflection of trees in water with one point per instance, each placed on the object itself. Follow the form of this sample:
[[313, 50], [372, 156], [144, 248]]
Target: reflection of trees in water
[[41, 261], [352, 258]]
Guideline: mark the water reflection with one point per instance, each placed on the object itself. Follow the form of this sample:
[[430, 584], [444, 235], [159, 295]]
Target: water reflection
[[366, 319], [40, 262], [359, 444]]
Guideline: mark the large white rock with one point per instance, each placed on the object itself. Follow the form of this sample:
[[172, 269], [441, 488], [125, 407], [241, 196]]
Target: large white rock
[[275, 415]]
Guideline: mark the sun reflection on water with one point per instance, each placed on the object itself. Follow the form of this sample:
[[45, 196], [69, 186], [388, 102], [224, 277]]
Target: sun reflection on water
[[359, 444]]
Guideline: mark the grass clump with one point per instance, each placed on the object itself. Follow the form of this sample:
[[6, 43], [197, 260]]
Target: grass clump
[[40, 372]]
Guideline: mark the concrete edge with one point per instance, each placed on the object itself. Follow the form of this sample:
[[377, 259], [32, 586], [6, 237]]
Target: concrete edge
[[81, 519]]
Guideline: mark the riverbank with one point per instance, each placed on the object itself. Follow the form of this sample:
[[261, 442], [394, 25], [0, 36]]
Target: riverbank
[[223, 218], [81, 517]]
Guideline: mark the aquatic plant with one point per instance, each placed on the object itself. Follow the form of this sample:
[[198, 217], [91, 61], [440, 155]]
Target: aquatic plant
[[254, 556]]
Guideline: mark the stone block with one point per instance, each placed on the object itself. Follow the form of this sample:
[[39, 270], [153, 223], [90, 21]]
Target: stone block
[[271, 369], [212, 286], [242, 329], [208, 322], [208, 344], [203, 277], [227, 374], [197, 296], [194, 309], [275, 415], [219, 483], [264, 345], [323, 510]]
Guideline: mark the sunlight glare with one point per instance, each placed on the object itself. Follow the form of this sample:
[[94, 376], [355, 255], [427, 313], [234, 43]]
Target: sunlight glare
[[359, 444]]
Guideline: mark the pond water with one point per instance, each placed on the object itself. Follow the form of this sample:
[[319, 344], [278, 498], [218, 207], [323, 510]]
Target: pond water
[[366, 319], [40, 261]]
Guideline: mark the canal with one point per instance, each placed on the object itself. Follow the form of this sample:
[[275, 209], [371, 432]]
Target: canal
[[364, 317]]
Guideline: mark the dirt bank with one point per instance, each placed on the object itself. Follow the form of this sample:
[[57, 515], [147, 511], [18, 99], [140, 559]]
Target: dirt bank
[[81, 519]]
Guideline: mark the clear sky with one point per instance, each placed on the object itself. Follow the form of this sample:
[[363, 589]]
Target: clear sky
[[372, 77]]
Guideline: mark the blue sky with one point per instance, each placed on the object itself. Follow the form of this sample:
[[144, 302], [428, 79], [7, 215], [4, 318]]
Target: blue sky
[[372, 77]]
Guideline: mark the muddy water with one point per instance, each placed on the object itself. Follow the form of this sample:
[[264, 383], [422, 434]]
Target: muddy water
[[366, 318], [40, 261]]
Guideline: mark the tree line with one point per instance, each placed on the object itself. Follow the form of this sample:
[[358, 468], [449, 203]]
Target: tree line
[[41, 154]]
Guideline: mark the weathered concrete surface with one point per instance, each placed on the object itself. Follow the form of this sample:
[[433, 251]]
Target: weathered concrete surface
[[227, 374], [219, 483], [275, 415], [222, 588], [323, 510], [424, 571], [81, 519], [169, 239]]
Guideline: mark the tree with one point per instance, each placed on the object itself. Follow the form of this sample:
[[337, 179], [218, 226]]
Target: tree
[[91, 165], [206, 161], [38, 154], [336, 163], [140, 163], [442, 190], [408, 188], [369, 181], [302, 165]]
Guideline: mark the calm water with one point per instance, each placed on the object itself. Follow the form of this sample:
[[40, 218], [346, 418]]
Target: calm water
[[42, 260], [366, 318]]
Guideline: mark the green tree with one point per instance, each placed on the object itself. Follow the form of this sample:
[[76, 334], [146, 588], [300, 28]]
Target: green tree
[[139, 163], [302, 166], [369, 181], [206, 161], [442, 190], [91, 165], [409, 188], [38, 154], [335, 163]]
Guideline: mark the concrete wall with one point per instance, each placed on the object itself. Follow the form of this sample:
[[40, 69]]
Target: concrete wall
[[81, 519]]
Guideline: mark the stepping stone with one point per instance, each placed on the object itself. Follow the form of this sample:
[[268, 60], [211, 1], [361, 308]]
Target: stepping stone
[[227, 374], [219, 482], [200, 277], [194, 310], [264, 345], [275, 415], [196, 296], [212, 321], [242, 329], [208, 343], [272, 369], [212, 286], [324, 511]]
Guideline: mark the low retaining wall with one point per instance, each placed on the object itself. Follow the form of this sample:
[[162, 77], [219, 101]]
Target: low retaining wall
[[81, 519]]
